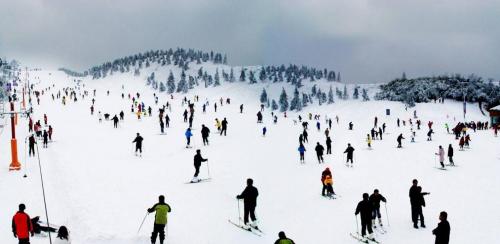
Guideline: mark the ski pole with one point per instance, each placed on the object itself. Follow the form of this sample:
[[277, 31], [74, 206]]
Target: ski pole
[[208, 169], [142, 222], [357, 227], [25, 167], [387, 215], [239, 214]]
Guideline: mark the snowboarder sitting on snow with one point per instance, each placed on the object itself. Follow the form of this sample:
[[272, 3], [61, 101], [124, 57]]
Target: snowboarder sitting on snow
[[162, 209], [138, 143], [375, 199], [283, 239], [365, 209], [37, 228], [198, 159], [249, 196], [62, 236], [350, 151]]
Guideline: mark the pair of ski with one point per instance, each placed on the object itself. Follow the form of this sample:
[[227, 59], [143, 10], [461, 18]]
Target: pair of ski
[[363, 239], [199, 181], [252, 229]]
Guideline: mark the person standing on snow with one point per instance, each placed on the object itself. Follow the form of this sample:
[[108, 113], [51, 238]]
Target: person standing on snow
[[440, 153], [450, 155], [162, 209], [399, 139], [350, 153], [31, 145], [417, 201], [224, 127], [324, 174], [365, 208], [319, 152], [304, 134], [249, 196], [115, 121], [375, 199], [45, 139], [328, 145], [188, 135], [22, 226], [138, 143], [369, 141], [205, 132], [198, 159], [302, 150], [283, 239], [442, 231]]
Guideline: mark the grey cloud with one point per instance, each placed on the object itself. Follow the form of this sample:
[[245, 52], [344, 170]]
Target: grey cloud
[[366, 40]]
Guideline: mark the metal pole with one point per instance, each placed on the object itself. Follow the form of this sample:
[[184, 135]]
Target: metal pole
[[357, 227], [142, 222], [43, 190], [387, 215]]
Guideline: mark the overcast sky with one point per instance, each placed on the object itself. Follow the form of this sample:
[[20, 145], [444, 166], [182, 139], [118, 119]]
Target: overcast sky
[[366, 40]]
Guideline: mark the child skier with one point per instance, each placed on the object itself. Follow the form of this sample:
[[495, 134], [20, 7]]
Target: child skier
[[188, 135], [301, 150]]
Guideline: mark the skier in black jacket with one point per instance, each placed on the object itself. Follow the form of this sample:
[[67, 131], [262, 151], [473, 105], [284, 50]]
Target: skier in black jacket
[[365, 208], [138, 143], [350, 151], [198, 159], [328, 145], [450, 155], [400, 137], [224, 127], [204, 134], [375, 199], [319, 152], [442, 231], [417, 201], [249, 196]]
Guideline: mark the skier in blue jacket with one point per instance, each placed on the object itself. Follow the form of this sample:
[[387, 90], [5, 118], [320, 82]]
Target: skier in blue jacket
[[188, 135]]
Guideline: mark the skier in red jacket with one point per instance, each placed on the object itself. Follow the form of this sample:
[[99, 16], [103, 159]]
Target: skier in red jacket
[[21, 225]]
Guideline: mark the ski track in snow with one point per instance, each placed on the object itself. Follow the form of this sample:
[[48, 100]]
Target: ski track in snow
[[100, 190]]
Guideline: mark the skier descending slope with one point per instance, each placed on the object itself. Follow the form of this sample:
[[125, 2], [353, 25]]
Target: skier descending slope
[[138, 144], [350, 153], [302, 150], [375, 199], [198, 159], [324, 174], [319, 152], [450, 155], [440, 153], [328, 145], [205, 132], [399, 139], [188, 135], [162, 209], [365, 208], [249, 196]]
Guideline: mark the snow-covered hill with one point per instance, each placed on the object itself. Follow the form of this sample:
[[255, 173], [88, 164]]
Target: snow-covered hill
[[100, 190]]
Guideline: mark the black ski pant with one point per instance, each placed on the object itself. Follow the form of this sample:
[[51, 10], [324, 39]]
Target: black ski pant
[[248, 210], [320, 158], [328, 149], [197, 170], [366, 224], [302, 156], [349, 158], [158, 229], [138, 148], [31, 150], [24, 241], [376, 213], [416, 213], [115, 124], [325, 189], [205, 140], [223, 131], [451, 159], [188, 140]]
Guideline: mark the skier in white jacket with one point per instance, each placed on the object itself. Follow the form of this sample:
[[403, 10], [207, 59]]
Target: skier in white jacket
[[441, 156]]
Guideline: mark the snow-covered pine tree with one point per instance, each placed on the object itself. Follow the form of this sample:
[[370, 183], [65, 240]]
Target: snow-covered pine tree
[[283, 101], [338, 76], [330, 96], [262, 74], [216, 78], [295, 103], [364, 94], [305, 100], [162, 87], [242, 75], [182, 86], [251, 77], [355, 94], [345, 96], [314, 90], [338, 92], [274, 105], [263, 96], [192, 82], [231, 76], [171, 83]]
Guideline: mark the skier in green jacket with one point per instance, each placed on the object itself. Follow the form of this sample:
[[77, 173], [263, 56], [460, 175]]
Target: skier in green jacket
[[161, 209]]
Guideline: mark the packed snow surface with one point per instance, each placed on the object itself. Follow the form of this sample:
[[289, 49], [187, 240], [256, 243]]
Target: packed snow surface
[[100, 190]]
